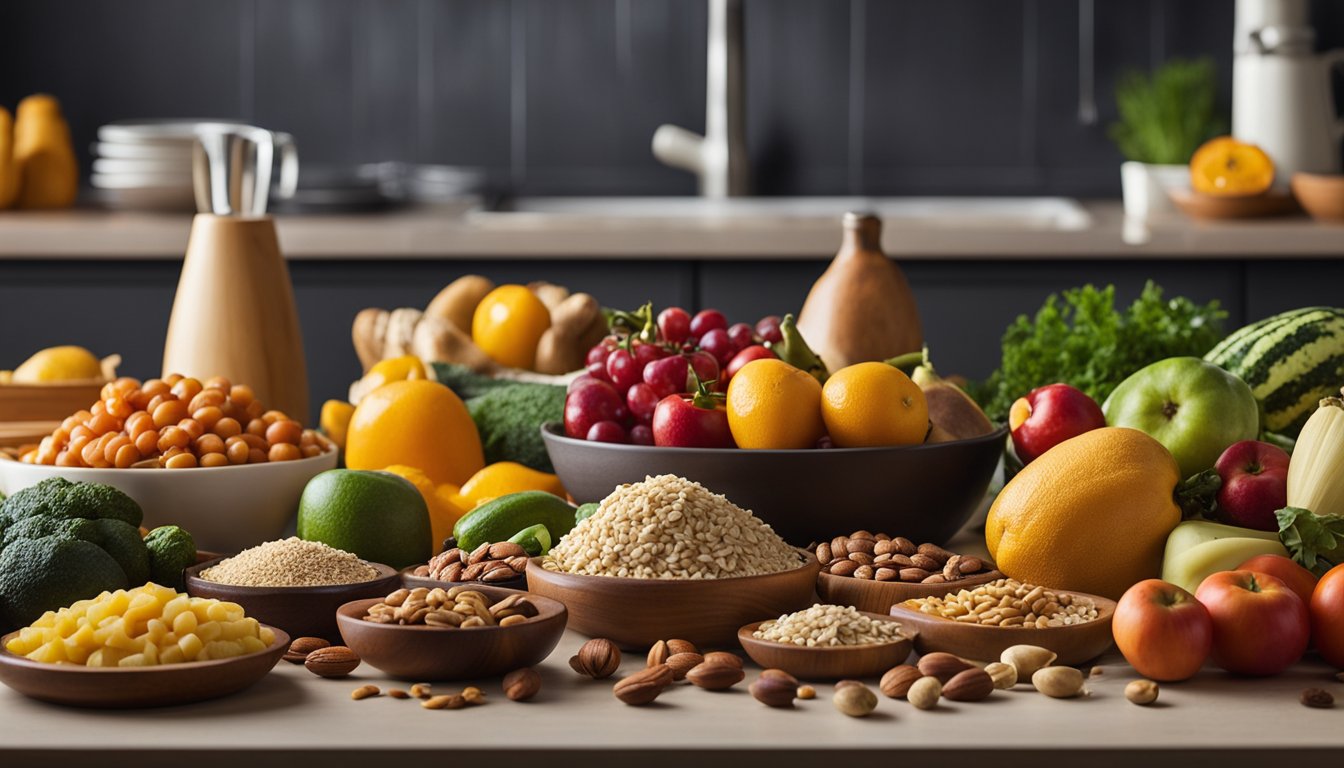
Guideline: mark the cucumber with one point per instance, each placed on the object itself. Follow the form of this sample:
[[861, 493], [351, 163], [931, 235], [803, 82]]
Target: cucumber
[[501, 518]]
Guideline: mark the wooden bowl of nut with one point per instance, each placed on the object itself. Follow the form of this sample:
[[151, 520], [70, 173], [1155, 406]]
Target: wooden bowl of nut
[[873, 572], [845, 643], [1074, 625], [308, 610], [463, 632], [502, 564]]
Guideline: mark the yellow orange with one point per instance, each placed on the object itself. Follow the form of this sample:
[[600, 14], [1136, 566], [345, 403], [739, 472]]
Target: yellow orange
[[418, 423], [1230, 168], [1092, 514], [505, 477], [873, 404], [771, 404], [508, 323]]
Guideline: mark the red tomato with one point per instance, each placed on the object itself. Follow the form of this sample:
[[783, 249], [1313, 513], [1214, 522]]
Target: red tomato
[[1327, 616], [1298, 579], [1260, 626], [1163, 631]]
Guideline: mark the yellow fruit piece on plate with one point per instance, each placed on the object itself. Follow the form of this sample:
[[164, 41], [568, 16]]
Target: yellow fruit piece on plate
[[1226, 167], [868, 405], [505, 477], [508, 324], [55, 364], [772, 405], [419, 424]]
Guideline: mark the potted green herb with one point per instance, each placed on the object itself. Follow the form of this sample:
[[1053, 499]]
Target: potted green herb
[[1164, 117]]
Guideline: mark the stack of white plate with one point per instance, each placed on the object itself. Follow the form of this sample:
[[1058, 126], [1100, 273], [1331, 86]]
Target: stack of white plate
[[146, 164]]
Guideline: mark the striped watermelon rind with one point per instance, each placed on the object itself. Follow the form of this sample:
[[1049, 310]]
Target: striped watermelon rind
[[1290, 361]]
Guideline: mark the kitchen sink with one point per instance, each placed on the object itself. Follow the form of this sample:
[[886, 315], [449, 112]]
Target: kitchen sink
[[1017, 213]]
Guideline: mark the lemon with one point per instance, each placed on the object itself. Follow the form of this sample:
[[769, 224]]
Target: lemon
[[68, 363]]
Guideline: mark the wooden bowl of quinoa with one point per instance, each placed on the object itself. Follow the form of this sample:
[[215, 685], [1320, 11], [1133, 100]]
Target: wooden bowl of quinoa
[[292, 584]]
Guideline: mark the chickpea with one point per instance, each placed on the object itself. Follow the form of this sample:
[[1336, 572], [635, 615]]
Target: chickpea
[[256, 456], [214, 460], [227, 427], [208, 416], [272, 416], [284, 431], [81, 431], [241, 395], [284, 452], [67, 459], [309, 451], [173, 437], [168, 413], [187, 389], [138, 422], [93, 453], [206, 399], [76, 446], [138, 400], [97, 409], [181, 461], [172, 378], [256, 427], [71, 422], [118, 407], [103, 423], [237, 452], [254, 409], [60, 437], [253, 441], [147, 442], [157, 400], [126, 456], [113, 445], [192, 427], [209, 443], [219, 383]]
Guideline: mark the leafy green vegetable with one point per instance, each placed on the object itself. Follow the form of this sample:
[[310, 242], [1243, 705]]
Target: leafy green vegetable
[[1082, 340], [1164, 118], [1315, 541]]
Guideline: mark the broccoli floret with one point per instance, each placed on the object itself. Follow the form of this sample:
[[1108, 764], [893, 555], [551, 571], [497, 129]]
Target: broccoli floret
[[123, 543], [509, 420], [40, 575], [58, 497], [171, 550], [39, 526]]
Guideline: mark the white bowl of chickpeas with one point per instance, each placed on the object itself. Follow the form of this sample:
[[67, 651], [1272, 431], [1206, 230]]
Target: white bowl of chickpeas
[[205, 455]]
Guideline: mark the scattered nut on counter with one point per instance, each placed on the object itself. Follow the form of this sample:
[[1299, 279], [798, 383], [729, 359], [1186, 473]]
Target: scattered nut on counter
[[598, 658], [522, 684], [972, 684], [1026, 659], [365, 692], [942, 665], [302, 646], [896, 681], [716, 675], [775, 688], [855, 700], [643, 686], [806, 692], [1317, 698], [925, 692], [1141, 692], [879, 557], [1058, 682], [333, 661], [1003, 675]]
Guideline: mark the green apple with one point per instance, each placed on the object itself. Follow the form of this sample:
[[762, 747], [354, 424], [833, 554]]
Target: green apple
[[1194, 408]]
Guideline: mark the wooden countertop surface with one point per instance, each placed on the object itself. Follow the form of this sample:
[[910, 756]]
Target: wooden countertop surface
[[451, 231]]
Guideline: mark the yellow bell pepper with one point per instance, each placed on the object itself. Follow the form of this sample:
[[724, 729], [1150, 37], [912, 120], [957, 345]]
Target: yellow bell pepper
[[443, 512], [505, 477]]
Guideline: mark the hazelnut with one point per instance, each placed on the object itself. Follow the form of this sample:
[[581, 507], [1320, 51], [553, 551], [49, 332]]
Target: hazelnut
[[598, 658], [775, 688]]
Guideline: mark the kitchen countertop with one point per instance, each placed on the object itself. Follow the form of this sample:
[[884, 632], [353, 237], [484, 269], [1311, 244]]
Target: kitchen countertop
[[452, 231]]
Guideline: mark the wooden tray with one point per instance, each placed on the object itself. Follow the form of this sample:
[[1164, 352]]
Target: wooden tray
[[46, 402], [16, 433]]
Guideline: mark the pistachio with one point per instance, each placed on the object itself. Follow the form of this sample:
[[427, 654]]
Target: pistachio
[[1003, 675], [925, 692], [855, 700], [1026, 659], [1058, 682]]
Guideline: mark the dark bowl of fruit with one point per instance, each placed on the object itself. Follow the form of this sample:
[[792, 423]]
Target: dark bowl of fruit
[[928, 491]]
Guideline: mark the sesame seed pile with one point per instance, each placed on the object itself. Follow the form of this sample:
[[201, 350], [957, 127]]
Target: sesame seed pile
[[290, 562], [828, 626], [668, 527]]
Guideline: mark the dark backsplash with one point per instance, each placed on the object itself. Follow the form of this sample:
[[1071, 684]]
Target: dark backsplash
[[562, 96]]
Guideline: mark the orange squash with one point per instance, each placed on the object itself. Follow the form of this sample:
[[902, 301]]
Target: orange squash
[[48, 174], [861, 309], [1226, 167]]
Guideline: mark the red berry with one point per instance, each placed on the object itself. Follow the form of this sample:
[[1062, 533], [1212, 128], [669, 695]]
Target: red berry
[[647, 353], [741, 335], [667, 376], [707, 320], [717, 343], [768, 329], [706, 367], [642, 399], [606, 432], [674, 325], [641, 434], [589, 404], [622, 369]]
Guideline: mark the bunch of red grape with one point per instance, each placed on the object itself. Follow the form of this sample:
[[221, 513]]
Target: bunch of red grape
[[633, 369]]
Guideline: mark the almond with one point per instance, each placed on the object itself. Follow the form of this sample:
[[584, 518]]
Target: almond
[[843, 567], [681, 663], [775, 688], [723, 657], [972, 684], [681, 646], [522, 684], [715, 676], [897, 681], [643, 686], [658, 654], [301, 647], [332, 661], [942, 665]]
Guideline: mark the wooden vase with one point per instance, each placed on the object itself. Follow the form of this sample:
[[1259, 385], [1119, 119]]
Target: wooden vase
[[234, 313]]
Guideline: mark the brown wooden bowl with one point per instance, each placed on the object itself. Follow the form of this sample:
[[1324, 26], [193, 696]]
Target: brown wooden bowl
[[636, 613], [1321, 194], [300, 611], [878, 596], [1074, 644], [1201, 206], [419, 652], [129, 687], [830, 663], [411, 581]]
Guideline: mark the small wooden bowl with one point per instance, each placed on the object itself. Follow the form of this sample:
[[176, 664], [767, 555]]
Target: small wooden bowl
[[636, 613], [300, 611], [1321, 194], [828, 663], [1074, 644], [129, 687], [422, 652], [878, 596], [1201, 206], [411, 581]]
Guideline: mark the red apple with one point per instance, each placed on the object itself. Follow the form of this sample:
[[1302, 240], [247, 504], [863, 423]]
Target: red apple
[[692, 421], [1162, 630], [1260, 626], [1048, 416], [1255, 484], [1298, 579]]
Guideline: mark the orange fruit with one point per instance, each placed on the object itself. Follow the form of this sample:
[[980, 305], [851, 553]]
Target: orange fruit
[[1092, 514], [873, 404], [771, 404], [1230, 168], [507, 325], [418, 423]]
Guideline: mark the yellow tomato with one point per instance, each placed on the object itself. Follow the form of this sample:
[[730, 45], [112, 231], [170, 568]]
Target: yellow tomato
[[508, 324]]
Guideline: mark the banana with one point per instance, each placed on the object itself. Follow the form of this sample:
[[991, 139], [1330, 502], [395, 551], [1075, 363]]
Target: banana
[[1197, 548]]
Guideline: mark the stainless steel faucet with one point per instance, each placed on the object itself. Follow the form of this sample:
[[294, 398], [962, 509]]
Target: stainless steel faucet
[[719, 158]]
